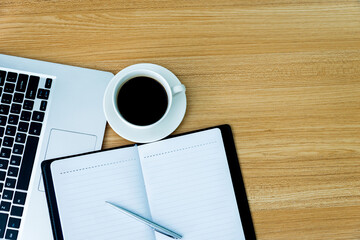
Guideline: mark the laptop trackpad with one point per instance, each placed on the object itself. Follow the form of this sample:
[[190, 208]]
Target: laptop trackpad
[[65, 143]]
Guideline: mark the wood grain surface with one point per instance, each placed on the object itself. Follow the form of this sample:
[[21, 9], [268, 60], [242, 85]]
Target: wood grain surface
[[284, 74]]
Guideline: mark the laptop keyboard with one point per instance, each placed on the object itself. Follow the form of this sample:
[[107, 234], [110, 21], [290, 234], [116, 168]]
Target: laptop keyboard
[[23, 103]]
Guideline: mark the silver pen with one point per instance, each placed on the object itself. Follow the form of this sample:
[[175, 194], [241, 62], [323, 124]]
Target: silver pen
[[156, 227]]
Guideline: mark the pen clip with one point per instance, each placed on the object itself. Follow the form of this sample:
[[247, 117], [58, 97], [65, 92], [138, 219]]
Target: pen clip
[[164, 233]]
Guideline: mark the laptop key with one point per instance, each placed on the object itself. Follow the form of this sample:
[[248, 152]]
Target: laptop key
[[18, 149], [2, 130], [3, 164], [8, 194], [10, 130], [11, 234], [13, 171], [35, 128], [13, 119], [22, 82], [16, 211], [20, 138], [11, 77], [23, 127], [6, 98], [27, 163], [5, 153], [43, 93], [3, 220], [3, 120], [48, 83], [9, 87], [32, 87], [18, 97], [8, 141], [43, 105], [25, 115], [38, 116], [28, 104], [2, 175], [2, 79], [5, 206], [10, 182], [14, 222], [4, 109], [19, 198], [15, 108], [15, 160]]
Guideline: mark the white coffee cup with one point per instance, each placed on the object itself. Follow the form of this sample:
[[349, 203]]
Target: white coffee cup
[[170, 120]]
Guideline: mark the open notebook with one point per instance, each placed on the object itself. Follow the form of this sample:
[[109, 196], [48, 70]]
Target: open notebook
[[183, 183]]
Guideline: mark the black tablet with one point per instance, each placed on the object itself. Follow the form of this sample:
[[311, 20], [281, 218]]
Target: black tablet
[[190, 183]]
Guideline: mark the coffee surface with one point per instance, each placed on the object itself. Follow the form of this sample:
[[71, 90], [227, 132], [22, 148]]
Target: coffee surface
[[142, 101]]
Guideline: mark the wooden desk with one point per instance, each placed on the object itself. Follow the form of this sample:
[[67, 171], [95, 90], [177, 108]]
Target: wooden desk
[[284, 74]]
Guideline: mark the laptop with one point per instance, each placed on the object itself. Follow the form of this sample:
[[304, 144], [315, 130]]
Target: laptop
[[47, 110]]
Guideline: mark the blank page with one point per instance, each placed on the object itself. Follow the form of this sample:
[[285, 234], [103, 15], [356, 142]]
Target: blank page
[[189, 187], [83, 184]]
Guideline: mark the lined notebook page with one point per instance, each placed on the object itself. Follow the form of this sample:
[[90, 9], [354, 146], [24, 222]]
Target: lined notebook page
[[84, 183], [189, 187]]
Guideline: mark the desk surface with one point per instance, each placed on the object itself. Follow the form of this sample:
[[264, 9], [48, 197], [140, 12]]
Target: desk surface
[[284, 74]]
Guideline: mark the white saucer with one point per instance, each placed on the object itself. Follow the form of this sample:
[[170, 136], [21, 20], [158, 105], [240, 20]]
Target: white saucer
[[156, 131]]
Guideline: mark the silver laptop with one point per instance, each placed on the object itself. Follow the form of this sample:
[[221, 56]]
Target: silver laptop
[[47, 110]]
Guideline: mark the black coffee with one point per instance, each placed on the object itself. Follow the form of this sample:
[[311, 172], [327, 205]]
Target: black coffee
[[142, 101]]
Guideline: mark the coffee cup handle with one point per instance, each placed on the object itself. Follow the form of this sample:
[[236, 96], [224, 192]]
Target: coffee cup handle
[[178, 89]]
